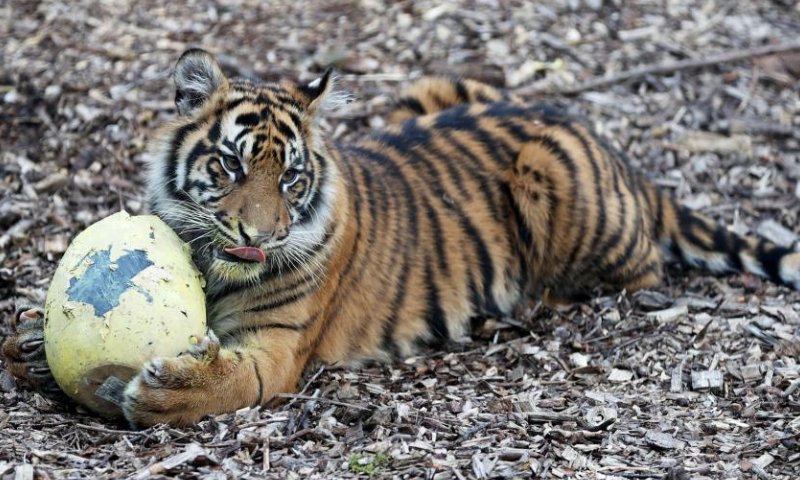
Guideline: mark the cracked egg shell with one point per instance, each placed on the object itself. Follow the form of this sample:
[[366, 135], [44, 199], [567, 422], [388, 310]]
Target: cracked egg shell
[[125, 291]]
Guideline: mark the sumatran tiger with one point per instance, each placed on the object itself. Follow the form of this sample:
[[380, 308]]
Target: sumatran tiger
[[471, 205]]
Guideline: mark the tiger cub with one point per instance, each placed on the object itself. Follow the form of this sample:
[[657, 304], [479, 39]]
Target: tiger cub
[[473, 204]]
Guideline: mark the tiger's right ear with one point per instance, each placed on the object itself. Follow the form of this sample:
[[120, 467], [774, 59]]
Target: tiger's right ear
[[197, 77]]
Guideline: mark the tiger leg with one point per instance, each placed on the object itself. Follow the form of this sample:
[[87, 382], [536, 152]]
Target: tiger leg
[[582, 223], [212, 379], [636, 268]]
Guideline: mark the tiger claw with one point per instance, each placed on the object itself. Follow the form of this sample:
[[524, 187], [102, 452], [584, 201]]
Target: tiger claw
[[24, 355], [31, 345], [207, 347], [25, 315]]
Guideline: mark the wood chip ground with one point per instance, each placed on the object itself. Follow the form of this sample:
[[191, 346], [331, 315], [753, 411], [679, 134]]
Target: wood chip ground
[[696, 380]]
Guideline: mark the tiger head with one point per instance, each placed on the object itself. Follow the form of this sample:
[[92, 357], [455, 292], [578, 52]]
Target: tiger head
[[243, 174]]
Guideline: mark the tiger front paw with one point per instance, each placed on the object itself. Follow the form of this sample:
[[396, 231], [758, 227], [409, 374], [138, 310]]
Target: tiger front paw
[[179, 391], [24, 355]]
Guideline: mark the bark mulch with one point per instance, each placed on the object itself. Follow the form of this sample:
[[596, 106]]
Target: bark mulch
[[698, 379]]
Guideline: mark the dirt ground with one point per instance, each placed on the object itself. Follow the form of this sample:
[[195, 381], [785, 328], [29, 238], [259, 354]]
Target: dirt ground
[[696, 380]]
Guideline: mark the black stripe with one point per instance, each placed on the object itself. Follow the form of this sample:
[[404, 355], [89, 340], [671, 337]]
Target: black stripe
[[516, 130], [551, 219], [412, 104], [437, 324], [601, 252], [390, 207], [260, 382], [248, 119], [601, 206], [198, 150], [171, 165], [408, 247], [366, 177], [770, 257], [659, 222], [345, 272], [474, 234], [244, 329], [231, 105], [687, 221], [461, 90], [642, 270], [285, 130], [459, 119], [523, 229], [633, 241], [277, 303], [543, 112], [438, 238], [390, 325], [241, 134], [244, 235], [316, 192], [412, 136], [214, 132], [730, 244], [476, 170], [579, 212], [295, 119]]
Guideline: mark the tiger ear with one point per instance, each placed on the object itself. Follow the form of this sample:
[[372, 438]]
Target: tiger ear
[[321, 94], [197, 77]]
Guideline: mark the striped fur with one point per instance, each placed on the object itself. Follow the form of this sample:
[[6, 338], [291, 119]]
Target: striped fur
[[470, 204]]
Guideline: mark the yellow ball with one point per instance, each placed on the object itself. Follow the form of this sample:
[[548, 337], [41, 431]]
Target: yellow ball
[[125, 291]]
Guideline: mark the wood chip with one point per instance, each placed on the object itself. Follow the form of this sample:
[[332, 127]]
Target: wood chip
[[669, 314], [777, 233], [24, 472], [51, 183], [190, 453], [751, 373], [706, 379], [662, 440], [618, 375], [698, 142], [676, 380]]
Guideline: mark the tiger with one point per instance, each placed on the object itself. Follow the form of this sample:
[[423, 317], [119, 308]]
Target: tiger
[[470, 203]]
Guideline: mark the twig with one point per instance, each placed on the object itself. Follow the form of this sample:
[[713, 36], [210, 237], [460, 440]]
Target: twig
[[305, 387], [472, 431], [110, 431], [265, 453], [301, 422], [668, 67], [262, 422], [323, 400]]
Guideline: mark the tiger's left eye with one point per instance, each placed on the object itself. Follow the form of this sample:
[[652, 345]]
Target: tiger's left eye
[[231, 164], [289, 176]]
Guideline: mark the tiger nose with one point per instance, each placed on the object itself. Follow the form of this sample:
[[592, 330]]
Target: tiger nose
[[278, 234]]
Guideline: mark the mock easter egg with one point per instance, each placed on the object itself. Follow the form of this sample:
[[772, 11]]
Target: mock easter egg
[[125, 291]]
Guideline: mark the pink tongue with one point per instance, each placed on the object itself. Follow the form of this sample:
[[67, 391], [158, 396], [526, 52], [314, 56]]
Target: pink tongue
[[248, 253]]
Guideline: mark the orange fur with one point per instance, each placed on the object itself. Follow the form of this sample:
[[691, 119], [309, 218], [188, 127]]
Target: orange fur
[[471, 204]]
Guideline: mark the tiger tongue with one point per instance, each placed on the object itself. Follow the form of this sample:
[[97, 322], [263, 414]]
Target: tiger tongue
[[248, 253]]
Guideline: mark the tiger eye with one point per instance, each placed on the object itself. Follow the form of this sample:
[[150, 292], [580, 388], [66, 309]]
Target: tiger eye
[[289, 176], [232, 164]]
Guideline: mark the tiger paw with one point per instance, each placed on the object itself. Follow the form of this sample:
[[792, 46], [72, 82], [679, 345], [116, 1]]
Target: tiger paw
[[24, 355], [178, 391]]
